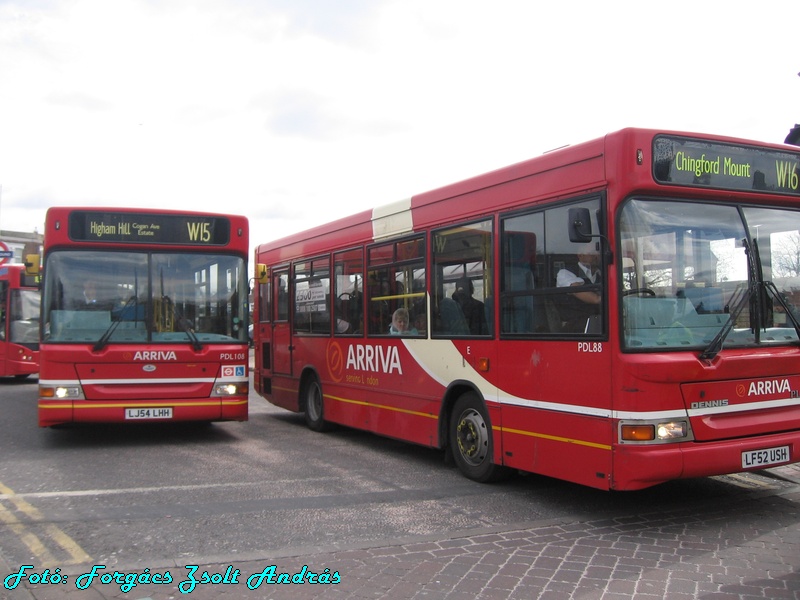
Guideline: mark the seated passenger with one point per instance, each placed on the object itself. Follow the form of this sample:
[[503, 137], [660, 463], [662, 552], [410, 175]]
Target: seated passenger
[[473, 309], [400, 322]]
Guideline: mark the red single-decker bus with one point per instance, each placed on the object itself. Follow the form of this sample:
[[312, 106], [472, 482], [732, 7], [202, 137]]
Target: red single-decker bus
[[19, 322], [618, 313], [144, 317]]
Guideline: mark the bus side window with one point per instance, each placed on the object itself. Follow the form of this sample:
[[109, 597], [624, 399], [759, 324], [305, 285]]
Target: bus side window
[[463, 280], [543, 290], [348, 284], [312, 299], [521, 309], [281, 291], [396, 279], [578, 271]]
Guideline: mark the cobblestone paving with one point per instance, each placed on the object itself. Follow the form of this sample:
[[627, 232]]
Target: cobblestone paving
[[749, 549]]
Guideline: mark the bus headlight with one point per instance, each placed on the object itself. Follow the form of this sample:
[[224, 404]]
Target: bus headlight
[[231, 389], [654, 431], [671, 431], [61, 392]]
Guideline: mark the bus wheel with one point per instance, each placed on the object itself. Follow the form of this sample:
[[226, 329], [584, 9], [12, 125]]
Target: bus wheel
[[314, 414], [471, 440]]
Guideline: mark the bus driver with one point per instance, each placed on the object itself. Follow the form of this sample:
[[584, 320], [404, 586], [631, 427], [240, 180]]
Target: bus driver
[[576, 308]]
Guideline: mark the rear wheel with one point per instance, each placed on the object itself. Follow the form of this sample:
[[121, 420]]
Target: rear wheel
[[471, 440], [314, 405]]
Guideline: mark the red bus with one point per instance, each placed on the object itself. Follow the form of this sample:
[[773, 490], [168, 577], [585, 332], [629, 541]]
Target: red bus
[[618, 314], [19, 322], [144, 317]]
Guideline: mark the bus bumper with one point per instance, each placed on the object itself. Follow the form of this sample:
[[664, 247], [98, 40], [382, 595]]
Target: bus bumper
[[58, 412], [639, 466]]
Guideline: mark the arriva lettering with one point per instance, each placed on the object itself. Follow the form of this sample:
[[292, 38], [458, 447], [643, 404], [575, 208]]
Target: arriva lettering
[[155, 355], [769, 386], [374, 358]]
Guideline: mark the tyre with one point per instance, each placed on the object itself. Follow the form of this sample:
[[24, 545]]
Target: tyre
[[314, 405], [470, 438]]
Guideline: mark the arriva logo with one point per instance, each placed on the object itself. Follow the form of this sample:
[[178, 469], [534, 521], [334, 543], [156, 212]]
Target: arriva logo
[[155, 355], [768, 386], [377, 359]]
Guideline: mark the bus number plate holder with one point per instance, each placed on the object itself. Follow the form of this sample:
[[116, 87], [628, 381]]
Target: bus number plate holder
[[161, 412], [765, 457]]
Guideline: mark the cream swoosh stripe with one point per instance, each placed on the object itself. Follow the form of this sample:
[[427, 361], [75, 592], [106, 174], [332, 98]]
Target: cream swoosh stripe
[[442, 361]]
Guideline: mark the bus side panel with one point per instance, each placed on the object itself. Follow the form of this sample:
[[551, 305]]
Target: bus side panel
[[377, 386], [403, 417], [547, 443], [557, 418], [285, 392]]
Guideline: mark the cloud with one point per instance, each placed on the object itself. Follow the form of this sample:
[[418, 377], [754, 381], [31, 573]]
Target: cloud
[[300, 111], [78, 100]]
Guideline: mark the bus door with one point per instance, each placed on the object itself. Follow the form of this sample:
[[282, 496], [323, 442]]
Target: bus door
[[281, 327]]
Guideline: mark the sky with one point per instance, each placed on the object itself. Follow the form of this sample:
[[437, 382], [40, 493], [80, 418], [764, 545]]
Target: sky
[[298, 112]]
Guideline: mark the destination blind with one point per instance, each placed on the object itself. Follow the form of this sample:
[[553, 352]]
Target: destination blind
[[701, 163], [138, 228]]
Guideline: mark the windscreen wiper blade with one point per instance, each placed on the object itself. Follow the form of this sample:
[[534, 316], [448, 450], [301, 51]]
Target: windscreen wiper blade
[[187, 329], [740, 297], [101, 343], [753, 295], [773, 290]]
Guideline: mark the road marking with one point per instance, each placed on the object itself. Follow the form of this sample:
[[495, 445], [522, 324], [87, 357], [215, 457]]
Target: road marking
[[145, 490], [31, 540]]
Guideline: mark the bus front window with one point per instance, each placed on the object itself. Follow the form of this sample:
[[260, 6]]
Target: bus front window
[[24, 318], [700, 276], [115, 297]]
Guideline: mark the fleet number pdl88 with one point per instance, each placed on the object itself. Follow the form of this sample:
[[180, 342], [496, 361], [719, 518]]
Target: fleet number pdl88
[[590, 346]]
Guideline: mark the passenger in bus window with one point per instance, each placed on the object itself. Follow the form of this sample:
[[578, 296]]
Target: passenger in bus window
[[576, 308], [400, 321], [473, 309], [421, 323], [90, 292], [93, 299]]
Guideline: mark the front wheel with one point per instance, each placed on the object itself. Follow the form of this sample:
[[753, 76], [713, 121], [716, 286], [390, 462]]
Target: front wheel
[[470, 439]]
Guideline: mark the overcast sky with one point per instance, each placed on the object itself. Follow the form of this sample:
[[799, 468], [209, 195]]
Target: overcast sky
[[296, 112]]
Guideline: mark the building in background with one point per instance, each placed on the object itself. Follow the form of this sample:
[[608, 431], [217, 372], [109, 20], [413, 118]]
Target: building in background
[[22, 244]]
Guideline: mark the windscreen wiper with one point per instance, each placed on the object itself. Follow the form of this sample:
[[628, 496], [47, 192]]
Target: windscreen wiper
[[101, 343], [771, 287], [738, 301], [187, 328], [754, 292]]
